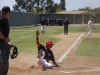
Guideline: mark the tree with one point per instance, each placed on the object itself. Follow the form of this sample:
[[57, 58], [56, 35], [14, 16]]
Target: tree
[[63, 5], [42, 5], [50, 7], [95, 10], [24, 5], [59, 8], [39, 6]]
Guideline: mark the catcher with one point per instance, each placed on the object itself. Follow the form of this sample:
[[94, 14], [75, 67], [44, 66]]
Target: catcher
[[41, 61]]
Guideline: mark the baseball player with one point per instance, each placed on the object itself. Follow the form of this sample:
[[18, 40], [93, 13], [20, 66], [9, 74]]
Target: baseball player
[[41, 54], [43, 23], [49, 54], [90, 26]]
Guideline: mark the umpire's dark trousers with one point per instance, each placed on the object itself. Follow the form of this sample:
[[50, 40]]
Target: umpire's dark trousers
[[66, 29], [4, 56]]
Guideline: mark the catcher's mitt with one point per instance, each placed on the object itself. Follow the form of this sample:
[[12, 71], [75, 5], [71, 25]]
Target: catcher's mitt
[[15, 52], [37, 32]]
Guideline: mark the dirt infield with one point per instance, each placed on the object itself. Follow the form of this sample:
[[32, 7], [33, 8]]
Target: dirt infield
[[71, 65]]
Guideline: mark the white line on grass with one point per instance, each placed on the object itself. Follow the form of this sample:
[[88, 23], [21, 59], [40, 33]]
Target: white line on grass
[[65, 54], [25, 36], [30, 30], [22, 30]]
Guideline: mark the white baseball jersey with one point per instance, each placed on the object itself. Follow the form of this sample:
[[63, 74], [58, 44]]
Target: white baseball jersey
[[90, 23]]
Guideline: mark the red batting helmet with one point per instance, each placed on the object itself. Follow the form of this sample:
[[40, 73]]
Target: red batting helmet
[[49, 43]]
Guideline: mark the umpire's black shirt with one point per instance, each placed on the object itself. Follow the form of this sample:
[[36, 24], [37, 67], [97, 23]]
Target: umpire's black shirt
[[66, 23], [4, 25]]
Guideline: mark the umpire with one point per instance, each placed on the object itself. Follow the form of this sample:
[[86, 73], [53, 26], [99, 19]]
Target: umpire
[[65, 24], [4, 40]]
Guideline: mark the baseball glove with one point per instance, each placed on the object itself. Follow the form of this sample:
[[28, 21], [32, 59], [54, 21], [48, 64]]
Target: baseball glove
[[37, 32]]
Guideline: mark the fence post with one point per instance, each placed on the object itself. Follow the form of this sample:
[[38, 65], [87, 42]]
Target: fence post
[[74, 19]]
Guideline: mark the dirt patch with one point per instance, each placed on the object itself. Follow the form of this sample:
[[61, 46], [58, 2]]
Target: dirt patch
[[72, 64]]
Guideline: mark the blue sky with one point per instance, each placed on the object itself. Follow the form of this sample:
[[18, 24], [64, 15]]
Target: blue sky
[[70, 4]]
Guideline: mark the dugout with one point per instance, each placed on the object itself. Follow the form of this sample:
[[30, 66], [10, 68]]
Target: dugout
[[51, 21], [47, 21], [58, 21]]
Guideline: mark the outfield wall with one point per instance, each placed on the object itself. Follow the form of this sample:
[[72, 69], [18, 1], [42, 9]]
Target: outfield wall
[[74, 18], [21, 18]]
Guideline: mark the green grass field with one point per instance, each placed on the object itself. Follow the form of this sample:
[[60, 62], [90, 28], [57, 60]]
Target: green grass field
[[25, 39], [89, 47]]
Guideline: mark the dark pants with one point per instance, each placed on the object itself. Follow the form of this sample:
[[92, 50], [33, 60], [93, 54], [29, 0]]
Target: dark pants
[[4, 56], [66, 29]]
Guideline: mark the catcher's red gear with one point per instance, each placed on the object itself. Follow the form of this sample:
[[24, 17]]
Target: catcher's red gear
[[49, 43]]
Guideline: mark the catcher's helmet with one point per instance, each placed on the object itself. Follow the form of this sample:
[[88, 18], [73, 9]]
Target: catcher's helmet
[[49, 43]]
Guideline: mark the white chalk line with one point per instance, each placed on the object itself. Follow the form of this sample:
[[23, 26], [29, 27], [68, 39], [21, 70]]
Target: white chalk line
[[22, 30], [29, 30], [95, 69], [76, 67], [67, 51], [65, 54], [25, 36]]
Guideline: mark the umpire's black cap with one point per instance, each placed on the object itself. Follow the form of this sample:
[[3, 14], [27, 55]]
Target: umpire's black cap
[[6, 9]]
